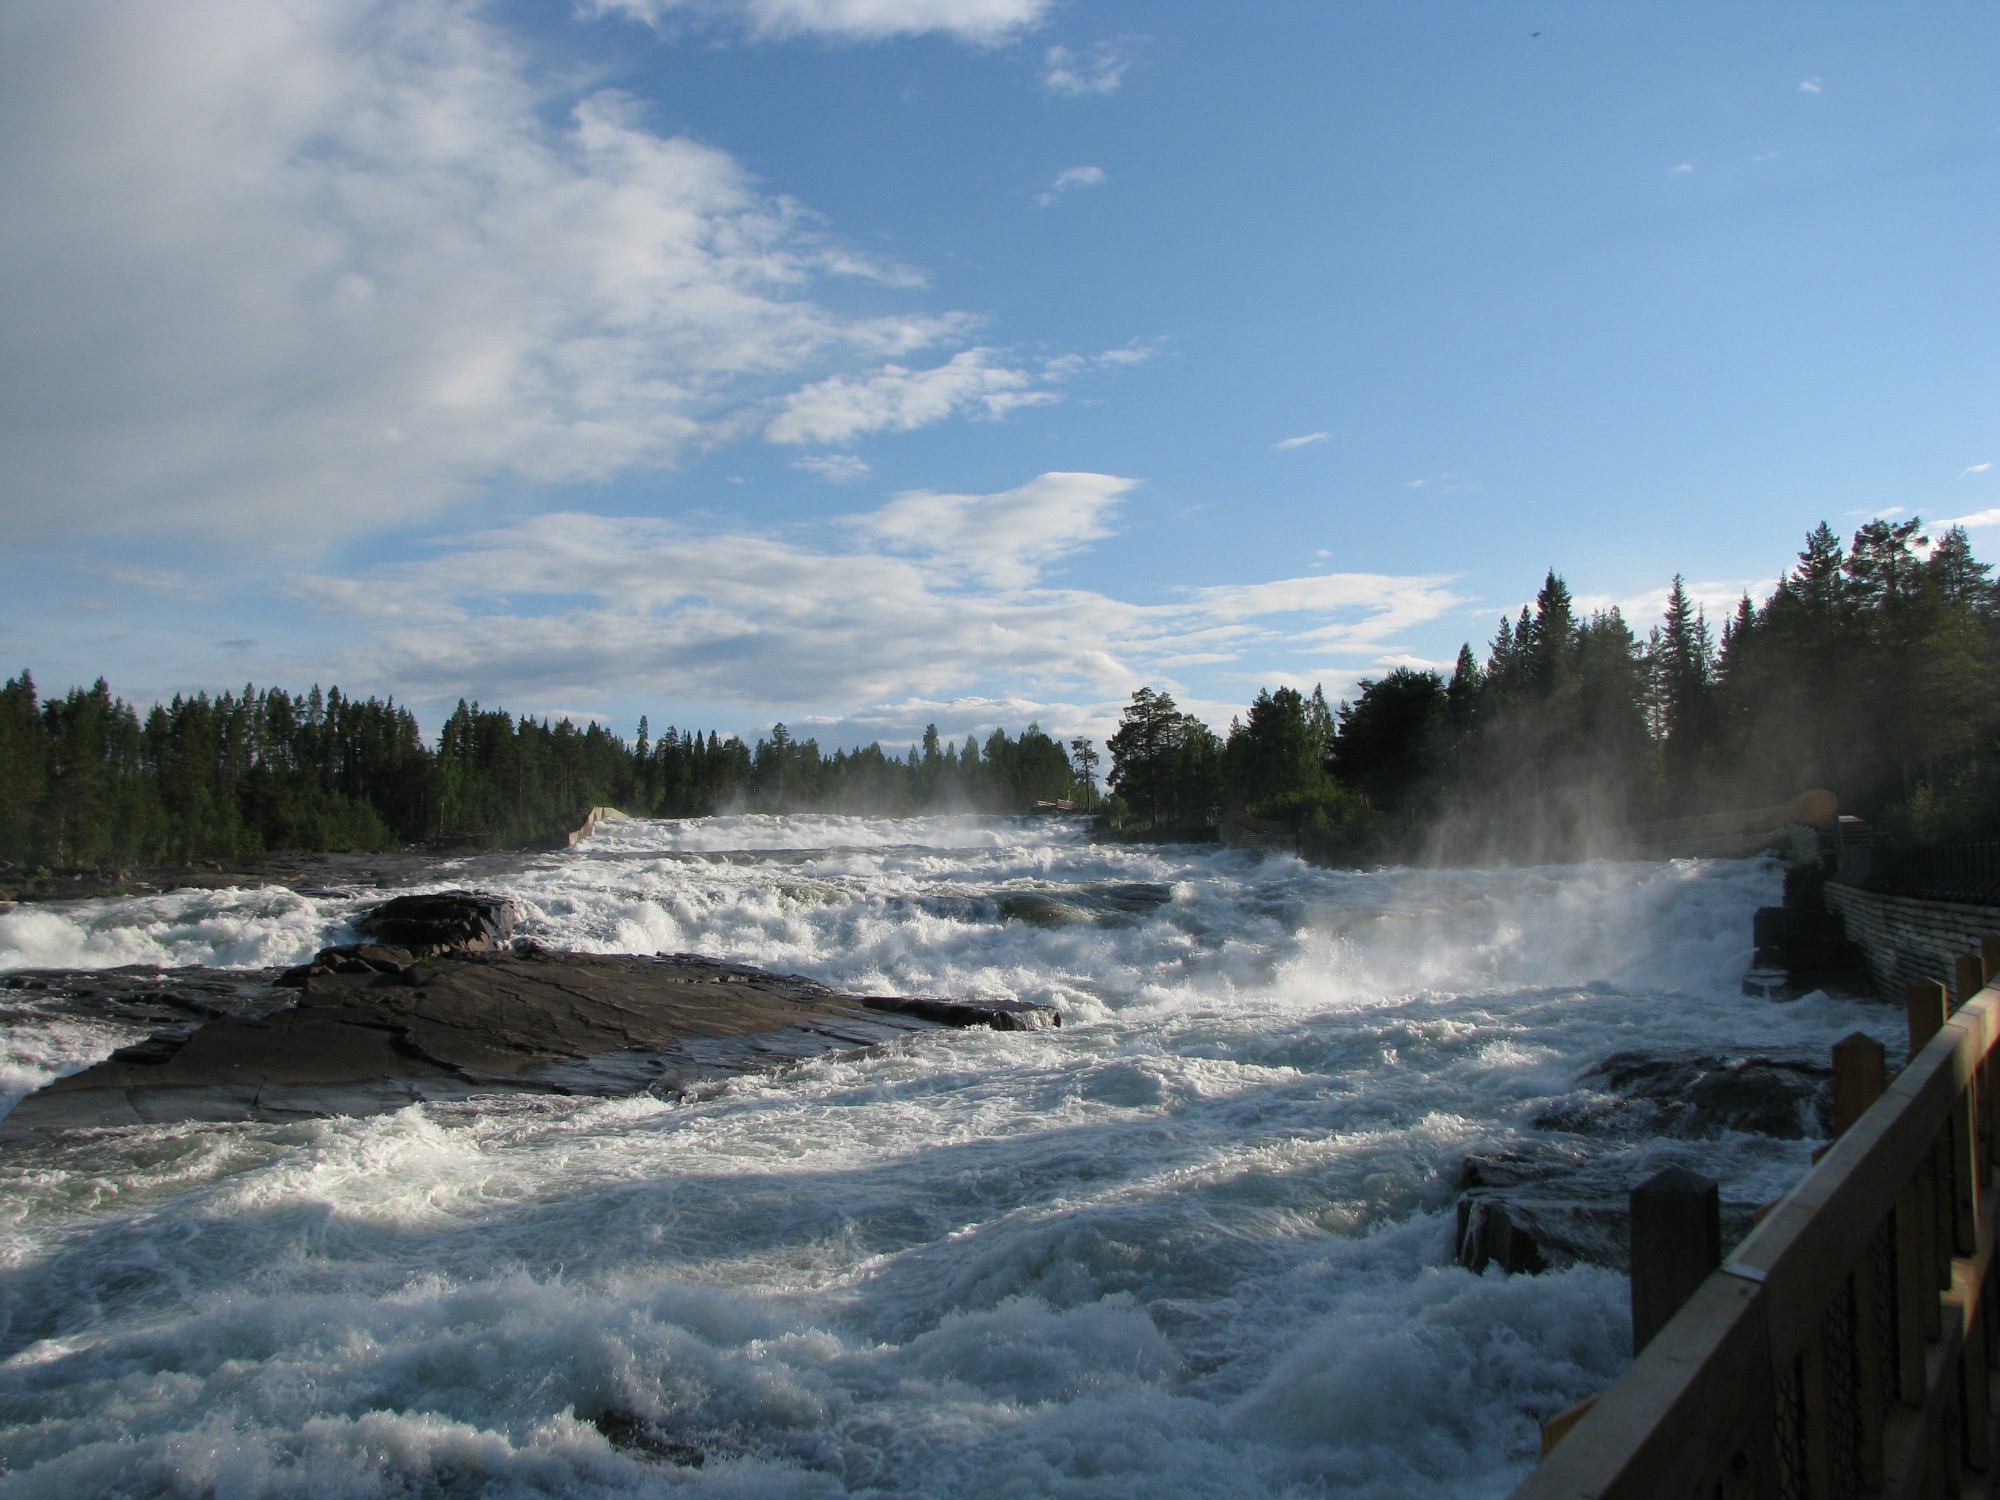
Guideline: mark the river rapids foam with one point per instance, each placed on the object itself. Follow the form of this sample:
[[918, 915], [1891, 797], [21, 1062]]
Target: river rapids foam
[[1196, 1242]]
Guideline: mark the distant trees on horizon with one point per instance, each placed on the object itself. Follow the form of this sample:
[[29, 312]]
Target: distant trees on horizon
[[1870, 669], [86, 781]]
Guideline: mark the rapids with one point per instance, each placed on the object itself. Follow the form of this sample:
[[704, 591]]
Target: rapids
[[1196, 1242]]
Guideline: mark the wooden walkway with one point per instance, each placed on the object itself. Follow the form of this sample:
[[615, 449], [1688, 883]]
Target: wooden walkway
[[1845, 1348]]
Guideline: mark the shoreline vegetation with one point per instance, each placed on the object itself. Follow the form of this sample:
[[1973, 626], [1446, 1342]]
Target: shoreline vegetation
[[1868, 669]]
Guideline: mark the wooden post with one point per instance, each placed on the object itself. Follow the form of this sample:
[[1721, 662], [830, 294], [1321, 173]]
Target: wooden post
[[1968, 978], [1927, 1005], [1676, 1241], [1860, 1074], [1965, 1174], [1989, 957]]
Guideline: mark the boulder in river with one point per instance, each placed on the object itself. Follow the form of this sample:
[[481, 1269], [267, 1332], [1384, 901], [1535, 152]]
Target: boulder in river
[[442, 922], [376, 1026], [1559, 1197]]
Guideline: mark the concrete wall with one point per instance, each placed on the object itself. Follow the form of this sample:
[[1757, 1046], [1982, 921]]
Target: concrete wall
[[1907, 940]]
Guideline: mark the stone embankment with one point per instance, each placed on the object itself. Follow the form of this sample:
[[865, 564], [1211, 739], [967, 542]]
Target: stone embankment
[[1903, 940]]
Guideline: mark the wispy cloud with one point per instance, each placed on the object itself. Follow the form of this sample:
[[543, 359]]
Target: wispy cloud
[[1975, 468], [894, 398], [931, 596], [1681, 169], [984, 21], [1007, 540], [839, 468], [1068, 181], [1811, 85], [1444, 484], [1715, 597], [1098, 70], [1304, 440], [1977, 518]]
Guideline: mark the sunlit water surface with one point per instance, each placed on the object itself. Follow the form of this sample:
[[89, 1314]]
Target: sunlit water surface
[[1196, 1242]]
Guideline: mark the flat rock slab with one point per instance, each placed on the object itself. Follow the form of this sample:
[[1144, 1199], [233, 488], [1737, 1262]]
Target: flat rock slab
[[367, 1036]]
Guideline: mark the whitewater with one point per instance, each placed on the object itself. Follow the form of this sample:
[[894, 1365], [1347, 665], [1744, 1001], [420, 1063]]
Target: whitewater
[[1198, 1241]]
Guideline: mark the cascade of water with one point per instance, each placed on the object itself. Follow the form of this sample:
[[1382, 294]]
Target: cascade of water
[[1197, 1241]]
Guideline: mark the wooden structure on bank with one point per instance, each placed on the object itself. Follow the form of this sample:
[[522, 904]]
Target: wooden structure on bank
[[1844, 1349]]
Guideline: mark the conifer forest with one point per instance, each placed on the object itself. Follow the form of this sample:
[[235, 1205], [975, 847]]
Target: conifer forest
[[1868, 669]]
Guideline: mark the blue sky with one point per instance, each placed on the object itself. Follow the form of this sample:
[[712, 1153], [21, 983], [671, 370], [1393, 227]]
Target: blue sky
[[863, 363]]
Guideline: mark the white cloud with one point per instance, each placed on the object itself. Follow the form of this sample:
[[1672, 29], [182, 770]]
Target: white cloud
[[984, 21], [1100, 70], [838, 468], [1977, 518], [1068, 181], [1307, 440], [1717, 598], [944, 598], [1007, 539], [1811, 86], [1976, 468], [1683, 168], [894, 398], [294, 270]]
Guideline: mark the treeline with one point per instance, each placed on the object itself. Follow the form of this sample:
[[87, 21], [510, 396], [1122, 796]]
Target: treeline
[[87, 781], [1871, 669]]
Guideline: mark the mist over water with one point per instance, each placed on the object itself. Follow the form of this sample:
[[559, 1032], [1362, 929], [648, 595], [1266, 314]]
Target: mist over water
[[1198, 1241]]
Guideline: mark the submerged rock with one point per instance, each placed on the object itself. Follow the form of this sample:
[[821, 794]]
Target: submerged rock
[[1561, 1198], [1488, 1235], [1695, 1096], [1112, 903], [631, 1433]]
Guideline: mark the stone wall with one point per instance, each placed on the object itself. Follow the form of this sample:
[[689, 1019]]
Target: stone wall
[[1905, 939]]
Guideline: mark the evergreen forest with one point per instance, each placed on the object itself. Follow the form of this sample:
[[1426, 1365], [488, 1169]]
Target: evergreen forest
[[1870, 669], [88, 782]]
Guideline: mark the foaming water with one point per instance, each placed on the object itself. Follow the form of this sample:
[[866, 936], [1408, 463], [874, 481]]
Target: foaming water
[[1195, 1242]]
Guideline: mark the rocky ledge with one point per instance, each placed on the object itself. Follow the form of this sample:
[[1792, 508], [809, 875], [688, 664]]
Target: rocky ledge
[[1559, 1196], [453, 1010]]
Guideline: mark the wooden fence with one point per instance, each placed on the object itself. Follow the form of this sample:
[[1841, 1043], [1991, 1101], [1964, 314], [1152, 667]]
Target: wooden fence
[[1844, 1348]]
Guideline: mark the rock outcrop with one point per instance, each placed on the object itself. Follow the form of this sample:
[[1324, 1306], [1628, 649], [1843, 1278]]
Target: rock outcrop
[[1560, 1197], [443, 1014]]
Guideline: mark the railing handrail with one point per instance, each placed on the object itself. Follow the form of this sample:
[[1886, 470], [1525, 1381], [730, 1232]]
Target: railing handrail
[[1818, 1230], [1665, 1425]]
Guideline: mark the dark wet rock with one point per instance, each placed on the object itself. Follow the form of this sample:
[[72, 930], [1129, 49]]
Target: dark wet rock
[[1567, 1198], [631, 1433], [1488, 1235], [142, 994], [441, 922], [1562, 1198], [999, 1015], [367, 1032], [1111, 903], [1697, 1096]]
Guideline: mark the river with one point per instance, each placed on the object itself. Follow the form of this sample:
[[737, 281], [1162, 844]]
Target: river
[[1196, 1242]]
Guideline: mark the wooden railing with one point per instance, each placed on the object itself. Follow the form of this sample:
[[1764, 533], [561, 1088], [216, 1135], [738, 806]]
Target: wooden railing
[[1844, 1348]]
